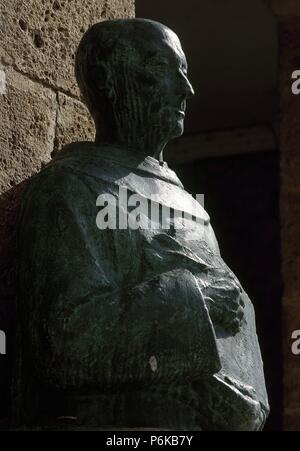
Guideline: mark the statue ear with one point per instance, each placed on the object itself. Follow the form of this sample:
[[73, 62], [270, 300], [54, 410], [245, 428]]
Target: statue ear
[[107, 81]]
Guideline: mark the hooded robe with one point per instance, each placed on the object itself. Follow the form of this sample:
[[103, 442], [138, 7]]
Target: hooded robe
[[113, 325]]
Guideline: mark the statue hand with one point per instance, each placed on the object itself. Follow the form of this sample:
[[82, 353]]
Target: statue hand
[[224, 302], [244, 411]]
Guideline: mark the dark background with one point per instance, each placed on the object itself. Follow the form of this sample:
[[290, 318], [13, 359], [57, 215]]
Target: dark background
[[231, 47]]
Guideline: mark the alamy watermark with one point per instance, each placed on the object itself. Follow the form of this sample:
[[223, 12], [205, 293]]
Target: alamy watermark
[[296, 82], [296, 342], [2, 343], [133, 211]]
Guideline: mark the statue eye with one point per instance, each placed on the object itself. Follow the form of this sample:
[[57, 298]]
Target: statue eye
[[157, 64]]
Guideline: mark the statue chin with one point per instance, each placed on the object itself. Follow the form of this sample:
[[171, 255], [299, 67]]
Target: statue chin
[[178, 129]]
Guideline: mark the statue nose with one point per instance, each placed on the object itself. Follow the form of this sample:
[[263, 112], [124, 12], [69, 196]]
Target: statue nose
[[190, 90], [187, 87]]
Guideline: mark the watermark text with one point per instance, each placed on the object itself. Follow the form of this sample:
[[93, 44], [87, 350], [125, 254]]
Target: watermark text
[[2, 343], [296, 342], [296, 82], [133, 211]]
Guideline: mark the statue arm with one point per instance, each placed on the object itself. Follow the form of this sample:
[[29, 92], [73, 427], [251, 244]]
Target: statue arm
[[220, 288]]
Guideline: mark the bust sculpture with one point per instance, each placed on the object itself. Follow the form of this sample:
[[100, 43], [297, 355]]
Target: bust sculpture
[[129, 327]]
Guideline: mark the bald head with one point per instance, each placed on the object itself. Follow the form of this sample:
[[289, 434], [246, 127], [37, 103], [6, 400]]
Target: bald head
[[120, 66]]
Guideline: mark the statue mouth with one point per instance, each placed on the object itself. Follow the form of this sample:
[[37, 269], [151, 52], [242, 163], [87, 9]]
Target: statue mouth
[[180, 110]]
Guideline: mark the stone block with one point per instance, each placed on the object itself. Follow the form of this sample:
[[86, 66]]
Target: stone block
[[27, 128], [40, 38]]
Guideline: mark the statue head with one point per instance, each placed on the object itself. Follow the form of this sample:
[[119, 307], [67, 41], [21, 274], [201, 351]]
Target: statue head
[[132, 74]]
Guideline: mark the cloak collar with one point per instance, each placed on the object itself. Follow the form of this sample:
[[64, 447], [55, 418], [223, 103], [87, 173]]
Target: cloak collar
[[90, 154], [145, 176]]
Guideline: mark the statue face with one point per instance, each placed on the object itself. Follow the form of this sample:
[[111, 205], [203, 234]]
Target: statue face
[[133, 74], [163, 85]]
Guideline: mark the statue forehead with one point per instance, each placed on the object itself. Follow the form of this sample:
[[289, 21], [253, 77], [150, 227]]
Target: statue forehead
[[153, 33], [141, 36], [165, 39]]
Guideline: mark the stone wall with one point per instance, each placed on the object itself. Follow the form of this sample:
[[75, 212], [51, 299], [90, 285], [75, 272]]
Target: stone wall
[[288, 13], [40, 111]]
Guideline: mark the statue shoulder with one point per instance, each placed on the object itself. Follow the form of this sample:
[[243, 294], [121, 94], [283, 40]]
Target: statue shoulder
[[50, 181], [66, 171], [55, 184]]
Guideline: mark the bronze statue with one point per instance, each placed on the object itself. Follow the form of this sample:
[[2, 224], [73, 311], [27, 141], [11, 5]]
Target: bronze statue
[[129, 326]]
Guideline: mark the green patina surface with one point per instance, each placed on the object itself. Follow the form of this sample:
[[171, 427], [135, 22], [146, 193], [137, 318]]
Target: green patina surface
[[129, 328]]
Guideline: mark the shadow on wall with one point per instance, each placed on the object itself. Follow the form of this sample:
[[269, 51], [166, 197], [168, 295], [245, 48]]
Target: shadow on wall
[[8, 270]]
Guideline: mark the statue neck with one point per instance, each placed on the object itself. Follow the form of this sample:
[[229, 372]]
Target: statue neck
[[146, 144]]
